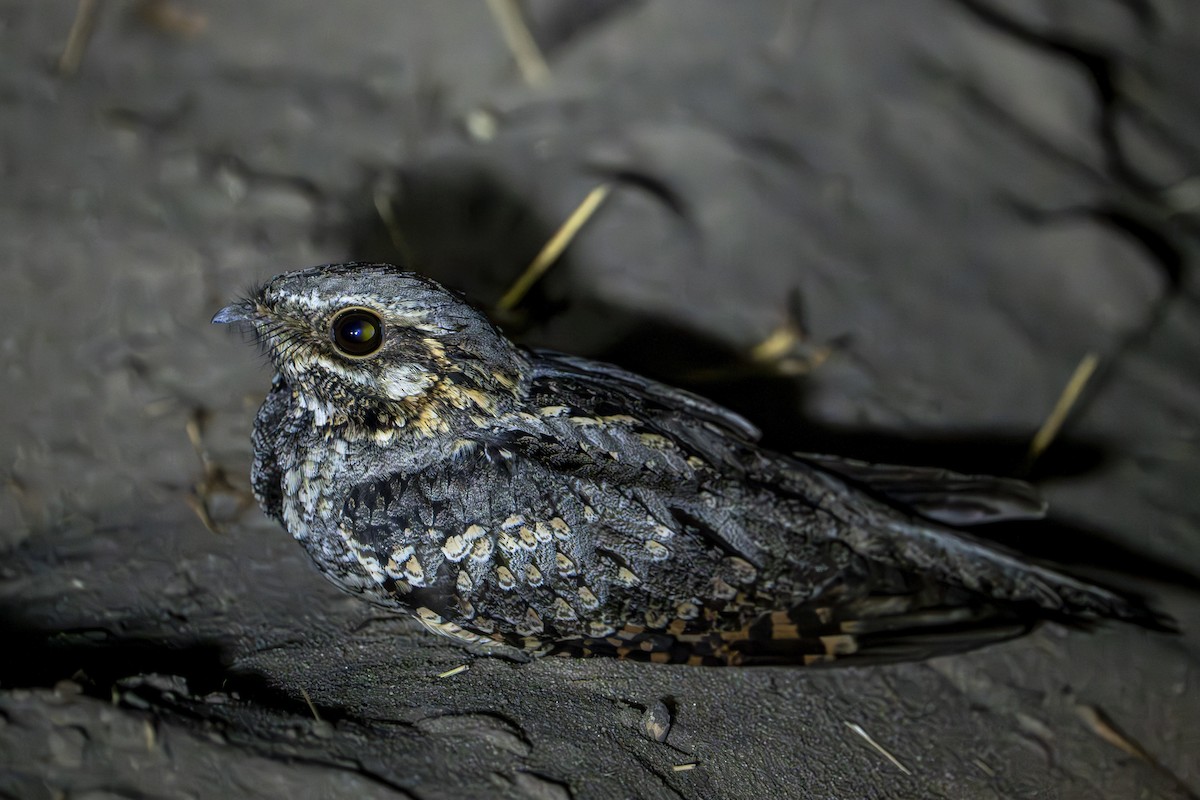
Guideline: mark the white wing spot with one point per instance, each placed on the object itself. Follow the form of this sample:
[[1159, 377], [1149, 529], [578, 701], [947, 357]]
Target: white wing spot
[[399, 556], [507, 542], [561, 529], [414, 572], [482, 550], [504, 578], [657, 550], [464, 583], [599, 630], [528, 539], [455, 547], [626, 577], [566, 567], [563, 610], [588, 598], [532, 624], [371, 565]]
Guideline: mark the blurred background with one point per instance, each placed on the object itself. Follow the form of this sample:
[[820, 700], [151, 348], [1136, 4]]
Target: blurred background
[[903, 230]]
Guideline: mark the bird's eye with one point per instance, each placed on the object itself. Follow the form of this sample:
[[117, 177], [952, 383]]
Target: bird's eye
[[357, 332]]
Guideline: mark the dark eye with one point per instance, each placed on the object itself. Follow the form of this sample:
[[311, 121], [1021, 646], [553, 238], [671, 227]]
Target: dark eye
[[357, 332]]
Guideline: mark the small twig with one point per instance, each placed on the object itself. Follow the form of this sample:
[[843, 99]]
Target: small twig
[[150, 735], [554, 248], [311, 707], [450, 673], [786, 350], [199, 507], [1103, 727], [1066, 401], [867, 737], [197, 501], [683, 767], [195, 435], [778, 352], [78, 37], [1107, 730], [214, 480], [777, 344], [520, 41]]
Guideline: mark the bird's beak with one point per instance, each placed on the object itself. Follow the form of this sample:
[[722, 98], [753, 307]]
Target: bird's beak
[[241, 311]]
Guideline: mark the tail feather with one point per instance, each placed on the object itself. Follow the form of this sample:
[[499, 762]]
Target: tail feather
[[997, 574], [875, 630]]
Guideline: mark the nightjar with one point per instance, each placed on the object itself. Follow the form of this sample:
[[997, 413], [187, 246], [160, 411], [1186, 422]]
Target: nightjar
[[530, 502]]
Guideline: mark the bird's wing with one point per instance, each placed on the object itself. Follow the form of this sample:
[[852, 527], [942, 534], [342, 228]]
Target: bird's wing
[[790, 508], [499, 546], [939, 494]]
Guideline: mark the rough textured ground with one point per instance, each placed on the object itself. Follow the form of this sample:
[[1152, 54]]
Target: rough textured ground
[[963, 197]]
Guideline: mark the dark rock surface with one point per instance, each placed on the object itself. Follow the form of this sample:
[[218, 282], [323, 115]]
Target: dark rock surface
[[964, 197]]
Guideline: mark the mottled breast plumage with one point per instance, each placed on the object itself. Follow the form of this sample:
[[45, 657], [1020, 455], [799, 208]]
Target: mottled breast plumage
[[532, 502]]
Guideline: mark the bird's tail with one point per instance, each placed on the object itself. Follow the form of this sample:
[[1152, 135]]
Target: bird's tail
[[876, 629], [936, 592], [997, 574]]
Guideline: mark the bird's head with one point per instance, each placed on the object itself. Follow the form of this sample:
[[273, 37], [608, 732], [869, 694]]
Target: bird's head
[[370, 343]]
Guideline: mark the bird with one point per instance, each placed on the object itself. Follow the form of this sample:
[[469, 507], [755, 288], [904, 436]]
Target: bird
[[526, 502]]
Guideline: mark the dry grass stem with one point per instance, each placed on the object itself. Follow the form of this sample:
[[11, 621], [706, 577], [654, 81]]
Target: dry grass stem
[[520, 41], [149, 735], [984, 768], [777, 345], [78, 37], [554, 248], [214, 481], [867, 738], [1103, 727], [311, 707], [1066, 401], [200, 508]]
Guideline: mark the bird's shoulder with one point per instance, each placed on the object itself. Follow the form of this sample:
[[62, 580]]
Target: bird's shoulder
[[597, 385], [598, 419]]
